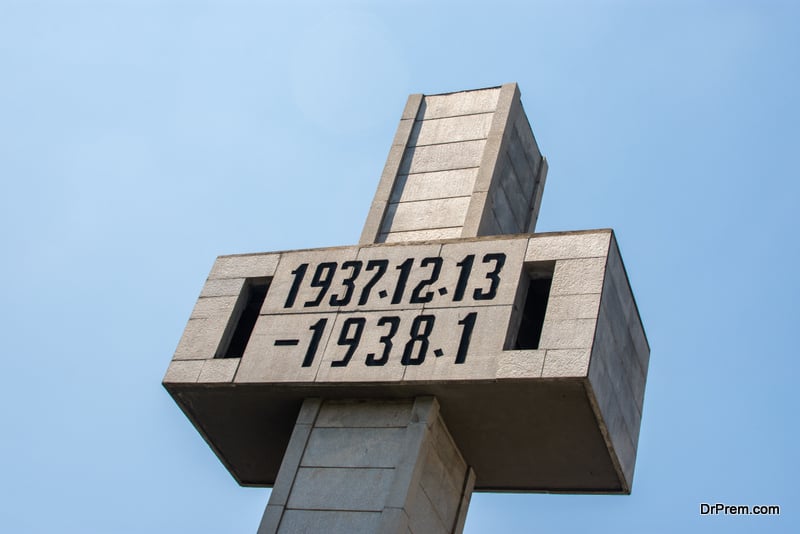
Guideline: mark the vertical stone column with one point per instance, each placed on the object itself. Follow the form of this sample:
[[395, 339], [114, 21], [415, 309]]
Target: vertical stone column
[[461, 164], [381, 466]]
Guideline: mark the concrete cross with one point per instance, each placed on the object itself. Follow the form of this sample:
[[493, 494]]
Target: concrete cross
[[376, 386]]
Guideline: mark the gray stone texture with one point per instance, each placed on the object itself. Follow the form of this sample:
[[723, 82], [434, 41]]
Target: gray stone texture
[[244, 266], [329, 522], [467, 165], [512, 174], [283, 280], [618, 367], [370, 466], [434, 185], [591, 337], [263, 361], [583, 273], [425, 214], [218, 370], [462, 166]]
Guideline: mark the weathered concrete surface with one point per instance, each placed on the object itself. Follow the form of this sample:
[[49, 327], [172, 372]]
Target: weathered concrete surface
[[461, 165], [531, 345], [592, 349], [373, 466]]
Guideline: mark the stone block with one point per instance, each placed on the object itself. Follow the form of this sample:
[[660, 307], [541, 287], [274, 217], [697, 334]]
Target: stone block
[[394, 521], [620, 436], [566, 363], [422, 516], [504, 213], [420, 235], [618, 278], [622, 380], [413, 104], [518, 201], [353, 447], [245, 266], [290, 464], [447, 336], [525, 172], [389, 174], [621, 354], [329, 522], [408, 471], [476, 213], [524, 135], [462, 103], [520, 364], [309, 411], [425, 410], [307, 294], [377, 357], [492, 150], [370, 232], [323, 488], [430, 185], [496, 270], [450, 129], [586, 306], [201, 338], [218, 371], [183, 371], [373, 414], [437, 483], [216, 308], [222, 287], [425, 214], [404, 131], [446, 451], [267, 359], [270, 520], [386, 285], [568, 246], [536, 203], [569, 334], [445, 157], [640, 344], [578, 276], [469, 485]]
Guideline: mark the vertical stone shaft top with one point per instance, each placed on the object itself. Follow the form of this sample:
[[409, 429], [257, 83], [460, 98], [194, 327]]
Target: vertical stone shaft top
[[461, 165]]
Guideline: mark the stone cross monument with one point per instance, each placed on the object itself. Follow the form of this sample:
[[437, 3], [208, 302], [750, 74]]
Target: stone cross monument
[[453, 350]]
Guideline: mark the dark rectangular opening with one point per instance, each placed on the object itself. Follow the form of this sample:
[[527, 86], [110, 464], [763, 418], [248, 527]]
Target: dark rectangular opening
[[248, 307], [540, 277]]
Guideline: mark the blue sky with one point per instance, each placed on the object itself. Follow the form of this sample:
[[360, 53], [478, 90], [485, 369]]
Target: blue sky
[[141, 139]]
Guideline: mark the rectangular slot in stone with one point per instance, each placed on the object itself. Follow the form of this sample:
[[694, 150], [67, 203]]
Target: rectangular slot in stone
[[254, 291], [540, 277]]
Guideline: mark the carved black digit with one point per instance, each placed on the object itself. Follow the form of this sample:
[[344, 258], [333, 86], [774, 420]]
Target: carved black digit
[[298, 273], [381, 265], [349, 283], [499, 260], [322, 279], [400, 288], [350, 341], [418, 335], [394, 323], [466, 268], [437, 268], [466, 334], [318, 328]]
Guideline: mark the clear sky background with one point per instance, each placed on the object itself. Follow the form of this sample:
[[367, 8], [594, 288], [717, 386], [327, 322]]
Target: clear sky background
[[141, 139]]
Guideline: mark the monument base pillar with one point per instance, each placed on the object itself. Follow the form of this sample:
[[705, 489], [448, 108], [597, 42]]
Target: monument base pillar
[[382, 466]]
